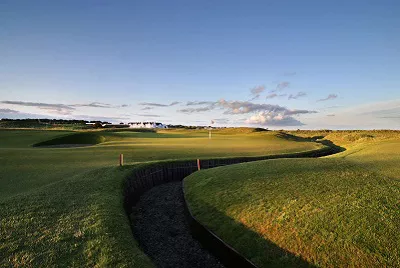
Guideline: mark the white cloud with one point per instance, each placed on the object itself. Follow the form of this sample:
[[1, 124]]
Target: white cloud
[[270, 118]]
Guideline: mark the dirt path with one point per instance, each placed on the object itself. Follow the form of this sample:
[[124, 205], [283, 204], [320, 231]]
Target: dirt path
[[163, 232]]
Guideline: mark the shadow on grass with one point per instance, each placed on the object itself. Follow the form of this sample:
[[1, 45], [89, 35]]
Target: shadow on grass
[[317, 139], [260, 251]]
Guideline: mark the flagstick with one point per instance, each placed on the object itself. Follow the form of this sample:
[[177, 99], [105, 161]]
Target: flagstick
[[209, 130]]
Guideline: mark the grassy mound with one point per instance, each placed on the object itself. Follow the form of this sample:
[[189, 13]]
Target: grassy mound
[[78, 138], [260, 129], [338, 211]]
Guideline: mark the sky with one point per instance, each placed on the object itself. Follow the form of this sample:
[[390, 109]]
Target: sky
[[273, 64]]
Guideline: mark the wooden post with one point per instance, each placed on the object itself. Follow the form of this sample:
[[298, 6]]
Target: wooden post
[[209, 134], [198, 164], [121, 160]]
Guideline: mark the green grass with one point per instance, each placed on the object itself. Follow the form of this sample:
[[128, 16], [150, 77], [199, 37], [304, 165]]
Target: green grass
[[342, 210], [382, 157], [77, 222], [27, 168], [88, 138], [26, 138], [63, 206]]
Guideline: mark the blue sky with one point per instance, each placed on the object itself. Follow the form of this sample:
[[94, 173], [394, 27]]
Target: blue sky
[[277, 64]]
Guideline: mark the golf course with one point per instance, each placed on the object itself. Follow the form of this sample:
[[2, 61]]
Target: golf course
[[61, 195], [340, 210]]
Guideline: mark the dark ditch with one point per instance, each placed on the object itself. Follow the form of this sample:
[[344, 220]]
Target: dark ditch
[[153, 198], [161, 227]]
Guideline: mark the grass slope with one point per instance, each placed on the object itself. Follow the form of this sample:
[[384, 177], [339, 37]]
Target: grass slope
[[342, 210], [76, 222], [63, 206], [76, 138]]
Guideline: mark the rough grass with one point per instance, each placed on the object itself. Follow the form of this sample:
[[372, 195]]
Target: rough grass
[[382, 157], [76, 222], [63, 207], [342, 210]]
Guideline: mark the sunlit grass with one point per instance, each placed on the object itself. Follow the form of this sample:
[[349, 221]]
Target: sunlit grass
[[342, 210], [63, 206]]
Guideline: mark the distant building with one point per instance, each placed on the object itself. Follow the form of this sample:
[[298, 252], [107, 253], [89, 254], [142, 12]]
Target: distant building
[[146, 125]]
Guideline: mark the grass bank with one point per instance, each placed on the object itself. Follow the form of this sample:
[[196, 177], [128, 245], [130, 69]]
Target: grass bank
[[341, 210], [78, 221]]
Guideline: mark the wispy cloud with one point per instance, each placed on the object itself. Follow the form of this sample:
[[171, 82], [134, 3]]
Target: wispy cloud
[[8, 111], [373, 115], [257, 90], [274, 95], [99, 105], [330, 97], [211, 105], [221, 120], [255, 97], [62, 109], [271, 96], [391, 117], [333, 107], [282, 85], [330, 115], [298, 95], [149, 115], [244, 107], [192, 103], [98, 117], [55, 108], [383, 111], [13, 114], [153, 104], [147, 108], [290, 74], [196, 110]]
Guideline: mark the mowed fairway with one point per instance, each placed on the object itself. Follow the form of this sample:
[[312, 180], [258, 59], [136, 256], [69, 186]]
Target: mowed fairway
[[342, 210], [63, 206]]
